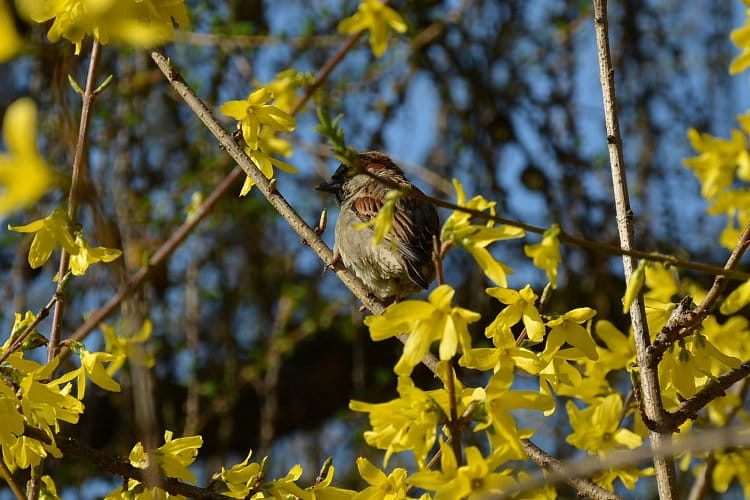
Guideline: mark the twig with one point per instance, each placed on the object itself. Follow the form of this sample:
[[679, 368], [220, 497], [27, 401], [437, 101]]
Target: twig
[[119, 466], [715, 388], [558, 473], [565, 237], [8, 477], [704, 478], [40, 316], [78, 161], [453, 423], [690, 320], [651, 392], [710, 440]]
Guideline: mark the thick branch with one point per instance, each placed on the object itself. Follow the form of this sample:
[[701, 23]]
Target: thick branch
[[654, 409]]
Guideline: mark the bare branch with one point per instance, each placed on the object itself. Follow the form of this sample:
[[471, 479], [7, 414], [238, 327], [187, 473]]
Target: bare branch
[[78, 164], [690, 320], [710, 440], [651, 392]]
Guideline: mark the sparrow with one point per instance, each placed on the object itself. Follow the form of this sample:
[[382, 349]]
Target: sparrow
[[402, 264]]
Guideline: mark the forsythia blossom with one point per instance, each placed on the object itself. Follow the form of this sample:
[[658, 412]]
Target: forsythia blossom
[[141, 23], [378, 18], [425, 322], [474, 238], [24, 175]]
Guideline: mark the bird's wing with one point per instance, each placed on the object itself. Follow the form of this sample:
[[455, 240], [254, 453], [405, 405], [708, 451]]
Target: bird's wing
[[414, 224]]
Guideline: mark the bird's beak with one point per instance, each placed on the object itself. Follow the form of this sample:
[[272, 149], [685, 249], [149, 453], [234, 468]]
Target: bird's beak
[[329, 186]]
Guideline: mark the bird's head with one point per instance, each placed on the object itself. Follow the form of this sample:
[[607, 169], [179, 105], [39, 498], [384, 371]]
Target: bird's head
[[347, 181]]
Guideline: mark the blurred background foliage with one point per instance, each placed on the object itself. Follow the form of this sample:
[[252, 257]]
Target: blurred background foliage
[[254, 348]]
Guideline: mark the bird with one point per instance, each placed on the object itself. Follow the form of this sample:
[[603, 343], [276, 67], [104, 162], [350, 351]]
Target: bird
[[400, 265]]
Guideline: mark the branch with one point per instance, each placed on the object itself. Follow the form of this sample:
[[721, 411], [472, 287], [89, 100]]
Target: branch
[[557, 469], [651, 392], [8, 477], [565, 237], [706, 441], [40, 316], [78, 160], [688, 321], [121, 467], [716, 388], [178, 237]]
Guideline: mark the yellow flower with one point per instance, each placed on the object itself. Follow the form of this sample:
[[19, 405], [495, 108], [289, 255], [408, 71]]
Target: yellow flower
[[173, 456], [254, 112], [741, 38], [521, 306], [499, 400], [86, 256], [48, 489], [546, 254], [242, 477], [390, 487], [378, 18], [635, 283], [425, 322], [567, 328], [92, 365], [475, 239], [474, 481], [729, 465], [718, 160], [141, 23], [51, 231], [597, 428], [265, 163], [408, 422], [284, 86], [24, 175], [127, 347], [10, 42]]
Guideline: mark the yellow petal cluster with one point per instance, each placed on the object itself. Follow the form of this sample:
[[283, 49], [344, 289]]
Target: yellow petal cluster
[[24, 175], [378, 19], [140, 23]]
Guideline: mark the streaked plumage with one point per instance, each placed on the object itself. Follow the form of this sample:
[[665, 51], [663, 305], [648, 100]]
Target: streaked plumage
[[402, 264]]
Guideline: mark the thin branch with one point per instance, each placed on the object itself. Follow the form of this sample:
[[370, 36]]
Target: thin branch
[[453, 423], [651, 392], [704, 478], [8, 477], [40, 316], [715, 388], [557, 469], [566, 237], [687, 321], [121, 467], [705, 441], [249, 41], [78, 161]]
